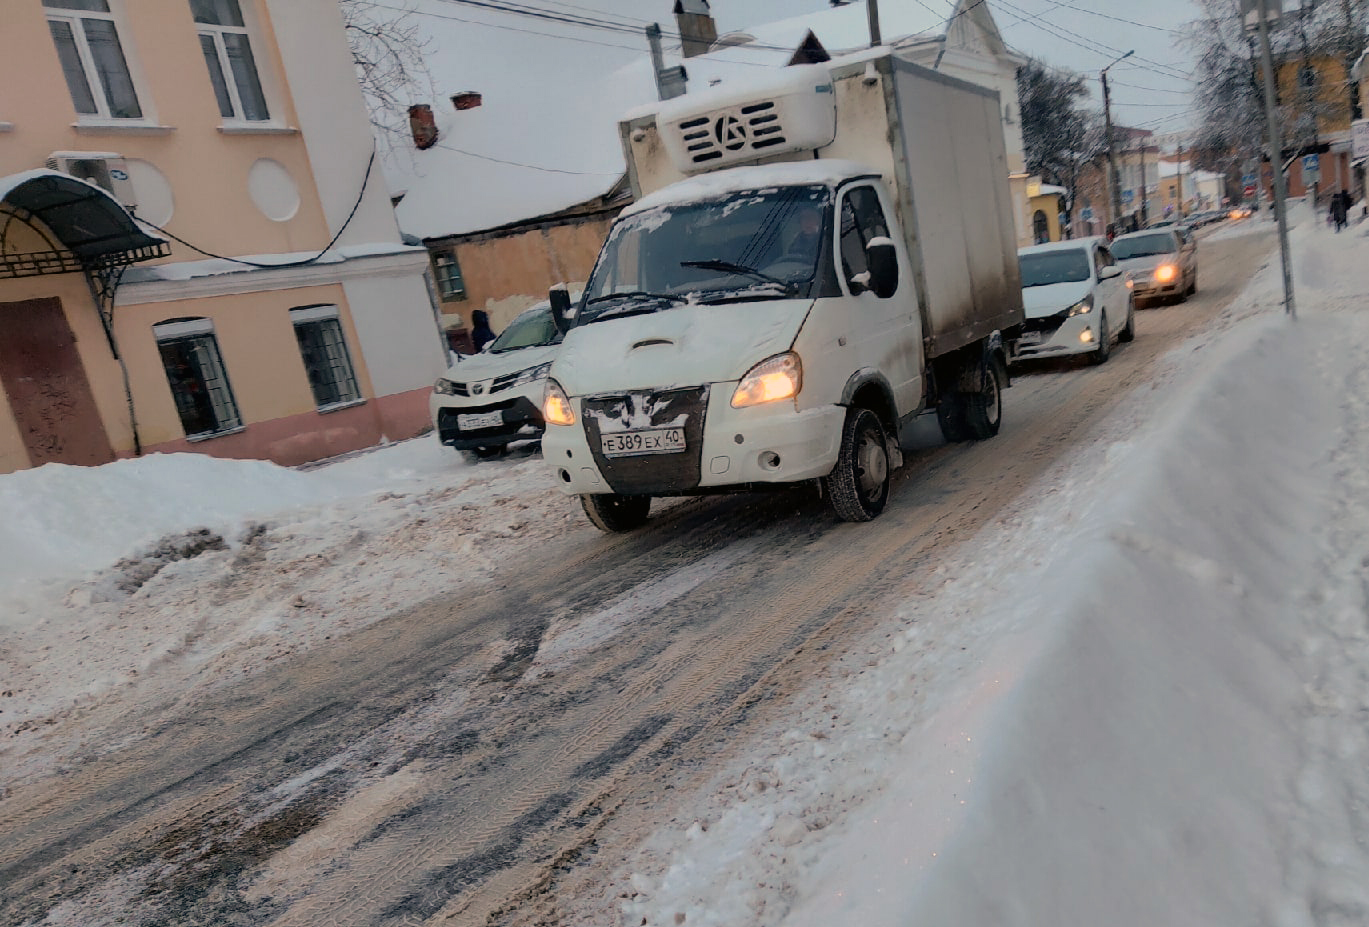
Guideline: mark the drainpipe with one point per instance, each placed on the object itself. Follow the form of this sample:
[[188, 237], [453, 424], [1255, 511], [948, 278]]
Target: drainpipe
[[110, 285]]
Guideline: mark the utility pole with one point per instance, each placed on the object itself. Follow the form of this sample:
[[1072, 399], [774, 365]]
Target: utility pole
[[872, 13], [1276, 156], [1179, 182], [1112, 146], [1145, 206]]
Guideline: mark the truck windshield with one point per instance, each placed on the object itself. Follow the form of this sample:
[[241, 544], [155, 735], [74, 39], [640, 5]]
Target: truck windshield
[[759, 244], [1047, 267], [1143, 246]]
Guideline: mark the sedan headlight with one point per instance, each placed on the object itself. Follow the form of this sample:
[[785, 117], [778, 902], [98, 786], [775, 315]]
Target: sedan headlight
[[556, 407], [1083, 307], [532, 374], [775, 378], [1165, 273], [445, 387]]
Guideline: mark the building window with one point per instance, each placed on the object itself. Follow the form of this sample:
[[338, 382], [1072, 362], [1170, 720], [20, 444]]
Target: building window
[[199, 383], [449, 282], [228, 53], [92, 58], [324, 351]]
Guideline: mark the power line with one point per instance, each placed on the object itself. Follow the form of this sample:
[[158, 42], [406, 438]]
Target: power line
[[534, 167]]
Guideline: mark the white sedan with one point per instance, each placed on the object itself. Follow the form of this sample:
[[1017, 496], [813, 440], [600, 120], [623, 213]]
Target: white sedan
[[1077, 300]]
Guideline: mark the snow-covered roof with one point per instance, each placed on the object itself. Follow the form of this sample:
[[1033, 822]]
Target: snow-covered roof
[[545, 138], [827, 171]]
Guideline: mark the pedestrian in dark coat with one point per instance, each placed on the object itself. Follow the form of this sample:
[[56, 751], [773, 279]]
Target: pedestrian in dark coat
[[1340, 209], [481, 333]]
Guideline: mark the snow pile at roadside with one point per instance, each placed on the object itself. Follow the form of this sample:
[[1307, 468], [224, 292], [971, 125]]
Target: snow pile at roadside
[[1141, 702], [160, 579]]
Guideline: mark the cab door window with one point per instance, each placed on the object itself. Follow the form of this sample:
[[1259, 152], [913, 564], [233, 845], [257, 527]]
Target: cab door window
[[862, 220]]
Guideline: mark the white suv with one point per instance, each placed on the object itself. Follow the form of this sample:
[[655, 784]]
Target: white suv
[[487, 401]]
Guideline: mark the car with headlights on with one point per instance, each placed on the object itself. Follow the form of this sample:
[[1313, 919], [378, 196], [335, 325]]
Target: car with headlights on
[[487, 401], [1163, 263], [1077, 300]]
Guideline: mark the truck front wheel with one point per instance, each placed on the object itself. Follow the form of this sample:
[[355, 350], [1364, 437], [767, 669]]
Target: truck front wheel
[[612, 513], [859, 483]]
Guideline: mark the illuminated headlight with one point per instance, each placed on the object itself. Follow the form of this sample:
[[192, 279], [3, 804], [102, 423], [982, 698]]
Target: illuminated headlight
[[775, 378], [556, 407], [532, 374], [1165, 273], [445, 387], [1083, 307]]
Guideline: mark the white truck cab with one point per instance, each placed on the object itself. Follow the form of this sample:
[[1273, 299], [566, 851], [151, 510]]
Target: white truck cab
[[766, 324]]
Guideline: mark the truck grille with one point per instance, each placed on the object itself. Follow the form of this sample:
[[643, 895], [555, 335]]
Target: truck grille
[[650, 474]]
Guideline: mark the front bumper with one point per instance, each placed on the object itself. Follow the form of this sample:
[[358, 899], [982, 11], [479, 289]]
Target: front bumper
[[519, 418], [726, 448], [1058, 336], [1145, 287]]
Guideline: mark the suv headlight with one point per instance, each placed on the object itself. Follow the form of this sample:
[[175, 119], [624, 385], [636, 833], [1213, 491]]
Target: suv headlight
[[445, 387], [532, 374], [1083, 307], [775, 378], [1165, 273], [556, 407]]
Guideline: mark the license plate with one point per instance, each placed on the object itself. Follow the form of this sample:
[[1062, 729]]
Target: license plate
[[646, 441], [476, 422]]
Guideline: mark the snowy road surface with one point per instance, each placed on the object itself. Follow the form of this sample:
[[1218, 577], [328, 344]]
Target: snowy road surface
[[455, 702]]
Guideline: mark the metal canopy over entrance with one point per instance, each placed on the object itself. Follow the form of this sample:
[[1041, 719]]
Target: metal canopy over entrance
[[93, 232]]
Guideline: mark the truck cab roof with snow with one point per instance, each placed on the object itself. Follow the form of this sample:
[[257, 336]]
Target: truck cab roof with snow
[[828, 172]]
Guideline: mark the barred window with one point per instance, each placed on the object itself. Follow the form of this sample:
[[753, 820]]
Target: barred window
[[324, 351], [195, 371], [449, 281]]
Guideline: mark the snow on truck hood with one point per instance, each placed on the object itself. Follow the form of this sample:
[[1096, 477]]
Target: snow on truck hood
[[1041, 301], [683, 346]]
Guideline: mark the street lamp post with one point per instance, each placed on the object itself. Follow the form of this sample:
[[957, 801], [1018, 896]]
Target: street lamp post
[[1262, 11], [1112, 147]]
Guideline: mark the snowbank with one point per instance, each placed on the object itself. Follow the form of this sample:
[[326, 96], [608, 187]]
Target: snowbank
[[1142, 701]]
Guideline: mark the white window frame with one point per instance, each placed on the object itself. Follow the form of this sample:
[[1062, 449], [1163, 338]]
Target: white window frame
[[248, 31], [305, 315], [73, 18]]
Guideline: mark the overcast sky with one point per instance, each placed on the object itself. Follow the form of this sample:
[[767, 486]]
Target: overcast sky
[[1149, 90]]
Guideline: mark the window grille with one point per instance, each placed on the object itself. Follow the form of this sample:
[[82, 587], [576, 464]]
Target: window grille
[[195, 371], [324, 352], [449, 280]]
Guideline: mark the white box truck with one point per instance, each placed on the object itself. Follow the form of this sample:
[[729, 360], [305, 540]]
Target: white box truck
[[814, 259]]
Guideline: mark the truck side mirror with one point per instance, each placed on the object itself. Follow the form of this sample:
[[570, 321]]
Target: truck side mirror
[[882, 259], [562, 315]]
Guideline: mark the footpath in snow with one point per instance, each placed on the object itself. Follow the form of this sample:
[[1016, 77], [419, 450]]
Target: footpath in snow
[[1141, 697], [1144, 701]]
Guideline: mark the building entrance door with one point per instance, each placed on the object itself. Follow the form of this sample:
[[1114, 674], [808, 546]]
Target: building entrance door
[[48, 392]]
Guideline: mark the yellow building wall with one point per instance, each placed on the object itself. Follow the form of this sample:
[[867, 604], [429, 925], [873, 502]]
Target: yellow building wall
[[260, 354], [507, 274], [1331, 93], [182, 138], [1048, 203]]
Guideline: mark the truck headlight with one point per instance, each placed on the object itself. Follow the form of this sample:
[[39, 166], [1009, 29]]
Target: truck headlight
[[556, 407], [1165, 273], [1083, 307], [445, 387], [532, 374], [775, 378]]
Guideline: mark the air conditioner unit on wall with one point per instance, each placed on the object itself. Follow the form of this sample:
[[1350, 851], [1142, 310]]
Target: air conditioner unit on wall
[[105, 170]]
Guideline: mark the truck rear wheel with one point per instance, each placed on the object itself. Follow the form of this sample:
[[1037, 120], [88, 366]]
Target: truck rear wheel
[[952, 415], [984, 409], [612, 513], [859, 483]]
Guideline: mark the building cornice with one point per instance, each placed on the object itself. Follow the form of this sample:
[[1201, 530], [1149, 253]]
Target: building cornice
[[409, 262]]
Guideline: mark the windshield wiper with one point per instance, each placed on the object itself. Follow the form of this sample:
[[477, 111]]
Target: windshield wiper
[[727, 267], [636, 294]]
